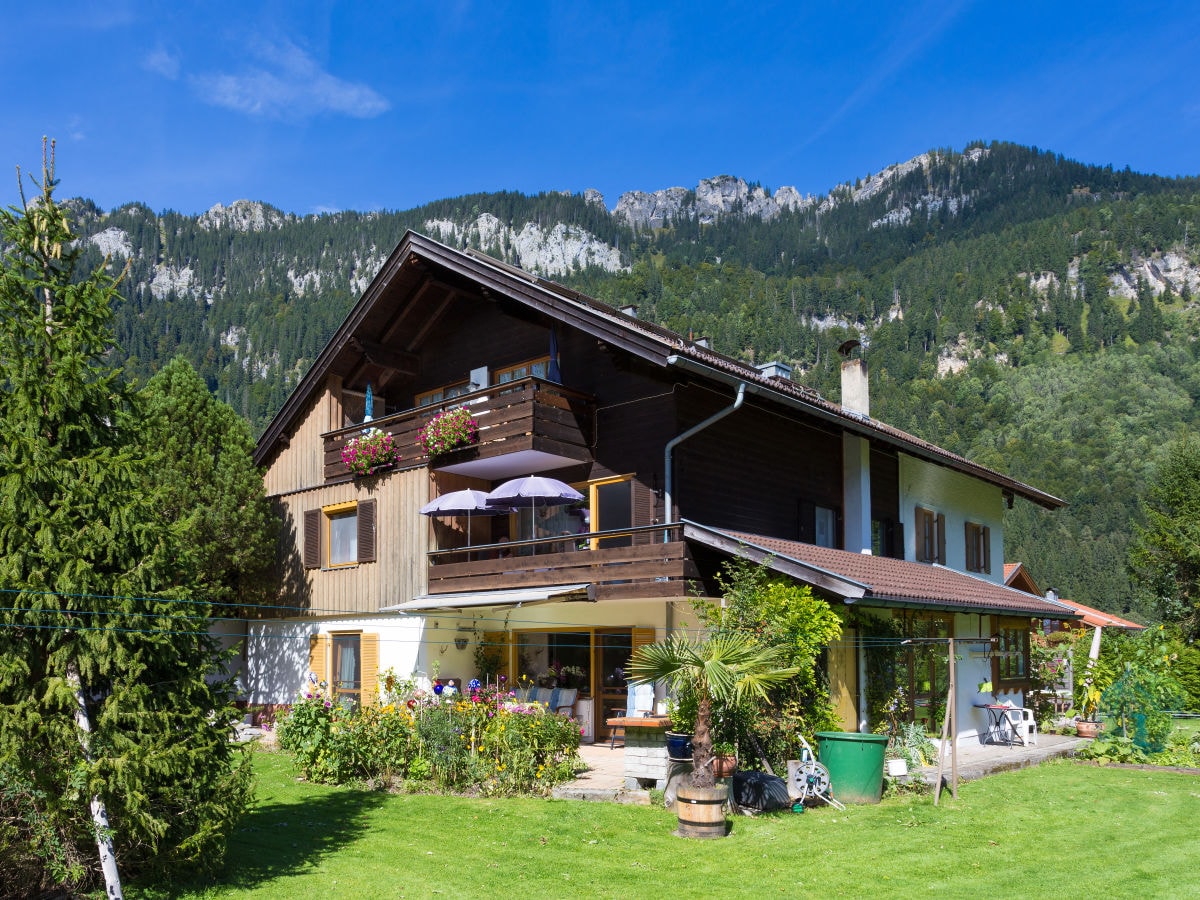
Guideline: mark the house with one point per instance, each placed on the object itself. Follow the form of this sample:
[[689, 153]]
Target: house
[[684, 458], [1076, 615]]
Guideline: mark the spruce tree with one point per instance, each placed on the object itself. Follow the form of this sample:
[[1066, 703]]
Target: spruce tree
[[98, 613]]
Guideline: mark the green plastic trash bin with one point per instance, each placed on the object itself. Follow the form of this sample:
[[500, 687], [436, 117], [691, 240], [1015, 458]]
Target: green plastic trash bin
[[855, 764]]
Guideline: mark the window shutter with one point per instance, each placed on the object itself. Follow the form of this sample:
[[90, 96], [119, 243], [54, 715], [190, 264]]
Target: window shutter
[[318, 655], [642, 637], [987, 550], [808, 522], [921, 526], [941, 539], [312, 539], [498, 641], [369, 644], [969, 542], [366, 531], [896, 537], [643, 513]]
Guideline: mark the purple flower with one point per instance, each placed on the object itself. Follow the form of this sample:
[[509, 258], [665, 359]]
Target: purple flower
[[328, 705]]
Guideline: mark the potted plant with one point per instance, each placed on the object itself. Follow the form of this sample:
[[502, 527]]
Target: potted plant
[[681, 710], [369, 452], [1089, 724], [724, 668], [448, 430], [724, 759]]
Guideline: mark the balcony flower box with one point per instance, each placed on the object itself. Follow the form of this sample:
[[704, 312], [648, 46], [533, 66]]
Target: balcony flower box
[[448, 430], [370, 452]]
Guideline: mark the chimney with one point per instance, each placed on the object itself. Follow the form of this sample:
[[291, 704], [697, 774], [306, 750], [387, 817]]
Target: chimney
[[701, 342], [631, 310], [776, 369], [856, 397]]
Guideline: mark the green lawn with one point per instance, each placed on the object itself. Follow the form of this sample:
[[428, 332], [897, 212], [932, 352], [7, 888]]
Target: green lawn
[[1020, 834]]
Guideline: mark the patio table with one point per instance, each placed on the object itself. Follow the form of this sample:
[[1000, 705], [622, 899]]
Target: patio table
[[999, 729]]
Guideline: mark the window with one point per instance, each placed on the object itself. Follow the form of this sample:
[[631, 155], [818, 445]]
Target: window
[[347, 668], [348, 662], [931, 536], [820, 525], [536, 367], [979, 548], [1010, 653], [446, 392], [339, 535], [342, 535], [887, 538], [611, 504]]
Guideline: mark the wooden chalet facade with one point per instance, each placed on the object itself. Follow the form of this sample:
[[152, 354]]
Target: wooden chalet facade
[[683, 456]]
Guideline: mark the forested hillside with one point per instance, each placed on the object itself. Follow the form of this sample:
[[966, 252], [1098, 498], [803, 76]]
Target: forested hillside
[[1030, 312]]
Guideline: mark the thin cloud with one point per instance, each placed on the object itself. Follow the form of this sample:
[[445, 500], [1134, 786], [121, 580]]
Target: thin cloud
[[162, 62], [289, 85], [924, 26]]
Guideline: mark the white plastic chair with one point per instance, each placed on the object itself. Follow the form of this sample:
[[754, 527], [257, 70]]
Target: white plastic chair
[[1023, 725]]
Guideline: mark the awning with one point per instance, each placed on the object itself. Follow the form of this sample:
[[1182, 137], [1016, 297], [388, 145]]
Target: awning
[[559, 593]]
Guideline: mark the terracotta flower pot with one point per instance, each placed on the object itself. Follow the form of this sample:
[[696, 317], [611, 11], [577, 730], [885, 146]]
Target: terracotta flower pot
[[1086, 729], [724, 766]]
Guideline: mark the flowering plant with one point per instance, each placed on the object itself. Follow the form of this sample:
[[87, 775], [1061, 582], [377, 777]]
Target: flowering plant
[[374, 450], [448, 430]]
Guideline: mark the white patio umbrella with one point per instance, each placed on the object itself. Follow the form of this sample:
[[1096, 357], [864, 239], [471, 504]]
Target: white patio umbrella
[[466, 502], [533, 491]]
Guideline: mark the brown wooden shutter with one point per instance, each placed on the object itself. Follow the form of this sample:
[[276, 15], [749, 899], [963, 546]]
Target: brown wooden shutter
[[987, 550], [366, 531], [969, 541], [806, 531], [369, 644], [643, 513], [318, 656], [312, 539], [941, 539]]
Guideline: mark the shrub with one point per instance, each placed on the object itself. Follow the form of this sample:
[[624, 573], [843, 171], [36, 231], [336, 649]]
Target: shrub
[[484, 741]]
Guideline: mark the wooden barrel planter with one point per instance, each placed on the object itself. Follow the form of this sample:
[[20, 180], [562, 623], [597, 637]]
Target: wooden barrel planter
[[701, 811]]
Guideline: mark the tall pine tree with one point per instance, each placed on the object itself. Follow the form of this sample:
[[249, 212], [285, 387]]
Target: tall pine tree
[[98, 613]]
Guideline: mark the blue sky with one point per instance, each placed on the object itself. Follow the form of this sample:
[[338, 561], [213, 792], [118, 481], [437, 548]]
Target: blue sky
[[316, 106]]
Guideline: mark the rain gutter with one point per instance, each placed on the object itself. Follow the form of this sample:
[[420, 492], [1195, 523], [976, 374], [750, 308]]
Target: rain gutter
[[668, 452]]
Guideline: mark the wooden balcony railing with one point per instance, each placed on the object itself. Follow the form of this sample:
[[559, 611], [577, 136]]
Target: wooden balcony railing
[[527, 414], [646, 567]]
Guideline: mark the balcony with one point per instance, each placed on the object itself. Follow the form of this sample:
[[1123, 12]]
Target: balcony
[[535, 424], [645, 567]]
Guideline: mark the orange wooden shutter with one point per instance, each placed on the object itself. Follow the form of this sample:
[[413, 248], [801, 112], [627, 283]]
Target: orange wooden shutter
[[643, 636], [498, 641], [370, 668], [318, 656]]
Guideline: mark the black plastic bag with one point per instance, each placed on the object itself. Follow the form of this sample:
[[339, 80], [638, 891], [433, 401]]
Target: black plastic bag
[[760, 792]]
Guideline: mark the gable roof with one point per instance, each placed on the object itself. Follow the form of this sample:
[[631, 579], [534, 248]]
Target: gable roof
[[1016, 575], [878, 580], [650, 342], [1098, 618]]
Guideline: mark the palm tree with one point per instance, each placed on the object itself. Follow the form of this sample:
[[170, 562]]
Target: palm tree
[[725, 667]]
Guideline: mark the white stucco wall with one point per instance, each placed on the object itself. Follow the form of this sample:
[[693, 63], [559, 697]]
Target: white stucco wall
[[971, 668], [277, 651], [961, 499]]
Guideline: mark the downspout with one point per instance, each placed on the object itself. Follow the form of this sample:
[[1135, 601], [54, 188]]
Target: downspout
[[668, 477]]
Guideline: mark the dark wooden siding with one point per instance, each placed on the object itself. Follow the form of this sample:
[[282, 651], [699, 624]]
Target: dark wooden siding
[[752, 470]]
